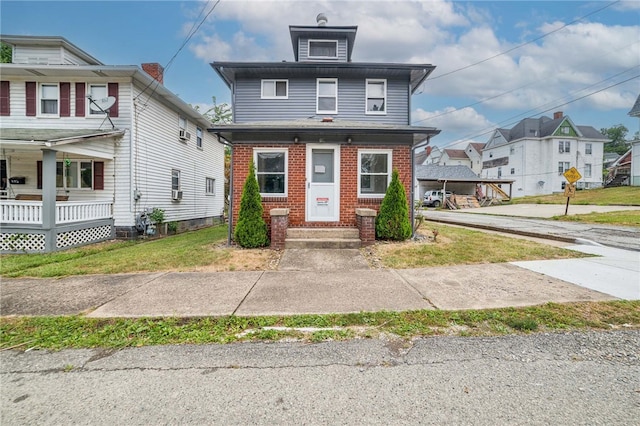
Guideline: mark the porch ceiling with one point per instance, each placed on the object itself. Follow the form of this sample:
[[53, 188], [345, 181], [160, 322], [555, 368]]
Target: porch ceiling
[[64, 140]]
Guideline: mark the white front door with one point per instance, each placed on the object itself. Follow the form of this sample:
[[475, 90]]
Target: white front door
[[323, 183]]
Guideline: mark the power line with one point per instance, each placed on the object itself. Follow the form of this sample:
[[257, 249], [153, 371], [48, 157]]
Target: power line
[[525, 43]]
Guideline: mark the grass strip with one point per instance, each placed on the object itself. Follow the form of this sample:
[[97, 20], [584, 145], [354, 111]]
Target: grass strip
[[72, 332]]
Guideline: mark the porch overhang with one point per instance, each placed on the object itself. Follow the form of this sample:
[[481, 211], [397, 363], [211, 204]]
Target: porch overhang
[[64, 140], [305, 131]]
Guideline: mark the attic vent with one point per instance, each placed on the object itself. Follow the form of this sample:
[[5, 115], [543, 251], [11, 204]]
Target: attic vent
[[321, 19]]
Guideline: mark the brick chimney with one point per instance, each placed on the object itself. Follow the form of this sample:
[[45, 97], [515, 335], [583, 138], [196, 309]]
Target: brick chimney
[[557, 115], [155, 70]]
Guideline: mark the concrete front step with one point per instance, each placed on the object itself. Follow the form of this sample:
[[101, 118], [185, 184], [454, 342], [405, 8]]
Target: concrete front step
[[322, 238]]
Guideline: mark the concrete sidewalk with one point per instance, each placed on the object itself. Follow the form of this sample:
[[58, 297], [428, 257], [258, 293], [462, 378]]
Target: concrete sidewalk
[[319, 290]]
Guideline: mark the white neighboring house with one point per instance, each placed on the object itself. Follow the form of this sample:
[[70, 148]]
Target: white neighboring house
[[474, 152], [72, 174], [537, 151], [635, 148]]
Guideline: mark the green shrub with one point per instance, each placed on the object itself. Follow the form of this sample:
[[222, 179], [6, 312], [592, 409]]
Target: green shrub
[[251, 229], [393, 221]]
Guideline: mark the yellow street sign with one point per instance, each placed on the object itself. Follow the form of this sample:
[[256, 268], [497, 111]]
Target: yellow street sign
[[570, 191], [572, 175]]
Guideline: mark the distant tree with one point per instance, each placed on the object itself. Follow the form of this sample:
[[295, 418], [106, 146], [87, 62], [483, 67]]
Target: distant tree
[[617, 134], [6, 53], [393, 221], [251, 229]]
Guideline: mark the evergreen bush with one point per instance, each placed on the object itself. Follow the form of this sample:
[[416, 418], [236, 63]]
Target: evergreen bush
[[251, 229], [393, 221]]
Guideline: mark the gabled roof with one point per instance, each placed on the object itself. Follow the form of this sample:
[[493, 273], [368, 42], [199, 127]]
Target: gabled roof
[[635, 110], [457, 153], [49, 41], [478, 147], [543, 127]]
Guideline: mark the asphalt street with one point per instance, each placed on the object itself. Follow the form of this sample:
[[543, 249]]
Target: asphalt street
[[574, 378]]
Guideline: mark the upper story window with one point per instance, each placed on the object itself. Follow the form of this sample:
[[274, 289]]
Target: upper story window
[[199, 137], [327, 92], [376, 96], [175, 180], [275, 89], [587, 170], [325, 49], [564, 130], [97, 92], [49, 98], [564, 147], [587, 148], [271, 171], [182, 123]]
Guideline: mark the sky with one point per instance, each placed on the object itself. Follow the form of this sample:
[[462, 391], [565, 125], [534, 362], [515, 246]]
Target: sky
[[497, 62]]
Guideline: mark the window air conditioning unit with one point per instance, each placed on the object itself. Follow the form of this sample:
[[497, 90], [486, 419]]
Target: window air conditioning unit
[[176, 195], [184, 135]]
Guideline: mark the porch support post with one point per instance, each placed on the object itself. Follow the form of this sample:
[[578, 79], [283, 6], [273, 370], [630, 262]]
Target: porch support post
[[49, 197]]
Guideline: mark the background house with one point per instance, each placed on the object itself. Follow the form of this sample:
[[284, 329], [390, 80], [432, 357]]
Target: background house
[[537, 151], [635, 147], [74, 174], [325, 133]]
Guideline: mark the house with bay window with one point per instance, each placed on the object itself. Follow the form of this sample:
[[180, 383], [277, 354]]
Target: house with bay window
[[536, 152], [87, 149], [324, 133]]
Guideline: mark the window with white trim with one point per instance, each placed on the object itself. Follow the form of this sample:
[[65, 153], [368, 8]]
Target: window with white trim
[[374, 172], [587, 170], [49, 99], [327, 96], [97, 92], [323, 49], [564, 147], [587, 149], [182, 123], [376, 96], [271, 171], [275, 89], [563, 166], [199, 137], [210, 186], [175, 179], [73, 174]]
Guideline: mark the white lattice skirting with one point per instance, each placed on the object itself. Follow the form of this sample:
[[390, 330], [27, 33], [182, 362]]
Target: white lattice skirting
[[22, 242], [83, 236]]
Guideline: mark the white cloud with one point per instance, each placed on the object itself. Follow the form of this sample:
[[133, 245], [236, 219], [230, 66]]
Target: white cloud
[[455, 124]]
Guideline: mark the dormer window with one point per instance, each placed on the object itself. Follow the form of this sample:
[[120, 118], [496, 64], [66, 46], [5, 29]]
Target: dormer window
[[323, 49], [376, 96]]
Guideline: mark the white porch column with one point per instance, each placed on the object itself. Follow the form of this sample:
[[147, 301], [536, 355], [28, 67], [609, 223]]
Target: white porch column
[[49, 196]]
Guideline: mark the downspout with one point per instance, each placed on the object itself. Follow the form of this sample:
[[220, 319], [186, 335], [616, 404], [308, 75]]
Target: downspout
[[413, 180], [230, 212]]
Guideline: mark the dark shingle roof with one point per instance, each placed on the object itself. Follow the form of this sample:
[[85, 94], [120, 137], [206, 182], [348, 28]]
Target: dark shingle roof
[[435, 172], [635, 110]]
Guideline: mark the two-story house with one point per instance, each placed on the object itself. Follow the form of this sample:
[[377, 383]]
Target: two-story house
[[536, 152], [87, 148], [324, 133]]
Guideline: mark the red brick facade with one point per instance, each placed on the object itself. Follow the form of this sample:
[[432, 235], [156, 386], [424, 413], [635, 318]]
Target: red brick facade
[[296, 197]]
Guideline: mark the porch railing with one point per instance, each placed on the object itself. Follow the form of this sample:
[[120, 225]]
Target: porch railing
[[30, 212]]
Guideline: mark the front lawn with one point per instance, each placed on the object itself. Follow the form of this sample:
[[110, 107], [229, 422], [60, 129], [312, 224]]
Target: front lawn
[[620, 196]]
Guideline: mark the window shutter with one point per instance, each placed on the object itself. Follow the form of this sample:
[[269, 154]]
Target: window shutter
[[80, 99], [5, 108], [39, 172], [30, 87], [65, 99], [113, 91], [98, 175]]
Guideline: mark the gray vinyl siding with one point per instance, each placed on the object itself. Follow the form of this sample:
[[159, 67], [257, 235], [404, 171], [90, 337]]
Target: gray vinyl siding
[[303, 50], [301, 102]]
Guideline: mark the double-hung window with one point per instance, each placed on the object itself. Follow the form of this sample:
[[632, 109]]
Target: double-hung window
[[271, 171], [563, 166], [275, 89], [374, 172], [175, 180], [199, 137], [564, 147], [323, 49], [49, 99], [327, 94], [587, 149], [376, 96], [587, 170], [97, 92], [210, 186]]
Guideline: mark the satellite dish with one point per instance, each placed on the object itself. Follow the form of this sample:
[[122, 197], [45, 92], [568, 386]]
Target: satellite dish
[[102, 104]]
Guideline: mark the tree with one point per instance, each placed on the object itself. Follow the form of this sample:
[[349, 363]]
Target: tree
[[251, 229], [6, 53], [617, 134], [393, 221]]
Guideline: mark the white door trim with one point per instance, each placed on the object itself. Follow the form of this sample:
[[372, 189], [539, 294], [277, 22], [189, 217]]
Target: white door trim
[[334, 196]]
